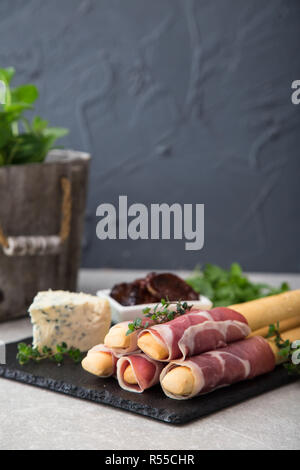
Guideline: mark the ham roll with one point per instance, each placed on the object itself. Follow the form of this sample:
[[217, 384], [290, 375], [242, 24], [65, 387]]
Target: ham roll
[[121, 342], [193, 333], [137, 372], [206, 372]]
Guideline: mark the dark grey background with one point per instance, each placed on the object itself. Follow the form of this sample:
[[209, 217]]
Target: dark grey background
[[177, 101]]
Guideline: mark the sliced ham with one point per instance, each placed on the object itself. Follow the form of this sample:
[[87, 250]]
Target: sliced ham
[[239, 361], [146, 371], [200, 331]]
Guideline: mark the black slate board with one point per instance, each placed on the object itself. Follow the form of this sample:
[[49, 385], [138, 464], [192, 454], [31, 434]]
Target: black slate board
[[72, 380]]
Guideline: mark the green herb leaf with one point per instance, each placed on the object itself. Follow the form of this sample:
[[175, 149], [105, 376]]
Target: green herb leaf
[[146, 310], [25, 94], [32, 145], [39, 125], [286, 350], [27, 353], [7, 74], [161, 313], [227, 287]]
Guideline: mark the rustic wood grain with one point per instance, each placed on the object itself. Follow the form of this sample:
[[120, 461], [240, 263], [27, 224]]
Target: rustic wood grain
[[30, 204]]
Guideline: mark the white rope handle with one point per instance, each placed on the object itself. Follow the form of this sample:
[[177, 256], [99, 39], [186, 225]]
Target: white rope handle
[[42, 245]]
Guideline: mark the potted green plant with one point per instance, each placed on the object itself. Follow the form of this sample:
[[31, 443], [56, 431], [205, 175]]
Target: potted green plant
[[42, 203]]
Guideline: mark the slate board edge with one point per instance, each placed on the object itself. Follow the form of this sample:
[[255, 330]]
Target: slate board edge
[[104, 397], [274, 380], [109, 399]]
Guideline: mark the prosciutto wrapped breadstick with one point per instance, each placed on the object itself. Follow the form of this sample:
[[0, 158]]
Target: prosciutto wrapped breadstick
[[239, 361], [100, 361], [193, 333], [137, 372], [121, 342], [118, 339]]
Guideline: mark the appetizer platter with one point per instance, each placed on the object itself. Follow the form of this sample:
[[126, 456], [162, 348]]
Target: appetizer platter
[[177, 358]]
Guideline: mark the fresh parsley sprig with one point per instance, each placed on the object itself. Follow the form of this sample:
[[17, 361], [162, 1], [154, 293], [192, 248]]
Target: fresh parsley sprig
[[160, 314], [227, 287], [27, 353], [137, 324], [286, 350]]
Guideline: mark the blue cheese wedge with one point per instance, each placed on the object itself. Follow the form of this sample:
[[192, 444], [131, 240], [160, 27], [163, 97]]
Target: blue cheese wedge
[[80, 320]]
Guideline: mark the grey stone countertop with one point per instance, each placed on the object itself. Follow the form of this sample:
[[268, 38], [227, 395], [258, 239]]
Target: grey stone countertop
[[31, 418]]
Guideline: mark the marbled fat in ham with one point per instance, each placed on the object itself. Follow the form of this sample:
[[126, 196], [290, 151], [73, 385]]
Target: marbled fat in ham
[[146, 371], [200, 331], [239, 361]]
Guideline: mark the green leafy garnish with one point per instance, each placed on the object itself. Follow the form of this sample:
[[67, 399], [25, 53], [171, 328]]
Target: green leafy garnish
[[287, 350], [160, 314], [22, 141], [136, 325], [27, 353], [227, 287]]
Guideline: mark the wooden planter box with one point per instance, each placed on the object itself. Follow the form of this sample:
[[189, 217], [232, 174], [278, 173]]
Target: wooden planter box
[[31, 205]]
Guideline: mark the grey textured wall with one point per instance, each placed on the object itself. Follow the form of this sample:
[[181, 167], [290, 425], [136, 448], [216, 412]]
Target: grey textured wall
[[178, 101]]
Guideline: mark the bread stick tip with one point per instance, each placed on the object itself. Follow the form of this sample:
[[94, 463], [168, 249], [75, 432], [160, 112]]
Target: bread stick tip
[[179, 381], [98, 363]]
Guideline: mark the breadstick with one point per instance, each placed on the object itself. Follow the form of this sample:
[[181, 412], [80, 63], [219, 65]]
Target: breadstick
[[118, 340], [129, 375], [102, 362], [116, 337], [153, 347], [268, 310], [99, 363], [179, 381], [284, 325]]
